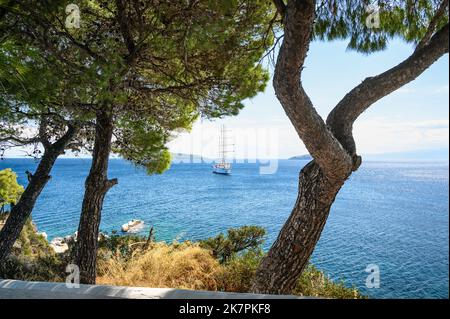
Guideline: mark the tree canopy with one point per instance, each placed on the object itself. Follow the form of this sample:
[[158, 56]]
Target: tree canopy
[[141, 70], [167, 62], [368, 25]]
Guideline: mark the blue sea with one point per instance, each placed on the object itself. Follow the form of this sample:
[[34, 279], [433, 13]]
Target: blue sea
[[393, 215]]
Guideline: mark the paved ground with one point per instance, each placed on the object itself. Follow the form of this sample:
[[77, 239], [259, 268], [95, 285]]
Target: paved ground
[[14, 289]]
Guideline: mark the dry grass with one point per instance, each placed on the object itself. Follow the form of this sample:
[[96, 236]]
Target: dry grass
[[184, 266], [188, 266]]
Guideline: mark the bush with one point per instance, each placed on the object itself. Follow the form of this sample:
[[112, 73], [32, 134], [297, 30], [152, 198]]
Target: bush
[[120, 246], [30, 243], [315, 283], [33, 259], [237, 240], [238, 273], [42, 268]]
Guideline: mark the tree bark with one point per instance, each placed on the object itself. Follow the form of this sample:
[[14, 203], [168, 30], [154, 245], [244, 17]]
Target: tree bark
[[22, 210], [331, 145], [321, 179], [290, 253], [96, 187]]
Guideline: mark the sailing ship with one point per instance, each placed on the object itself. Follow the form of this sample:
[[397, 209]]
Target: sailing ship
[[223, 167]]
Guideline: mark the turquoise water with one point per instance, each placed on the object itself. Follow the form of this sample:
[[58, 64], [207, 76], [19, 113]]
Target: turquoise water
[[394, 215]]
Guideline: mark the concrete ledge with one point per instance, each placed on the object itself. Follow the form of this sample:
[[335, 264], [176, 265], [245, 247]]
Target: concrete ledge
[[15, 289]]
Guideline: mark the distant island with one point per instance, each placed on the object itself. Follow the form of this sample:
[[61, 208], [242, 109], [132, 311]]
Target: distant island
[[416, 155], [306, 157]]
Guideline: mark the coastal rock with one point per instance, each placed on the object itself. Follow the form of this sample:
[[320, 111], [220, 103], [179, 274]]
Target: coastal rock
[[72, 237], [59, 245], [133, 226]]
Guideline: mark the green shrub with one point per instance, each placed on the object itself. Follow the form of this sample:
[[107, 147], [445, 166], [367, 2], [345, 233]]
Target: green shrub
[[238, 273], [33, 259], [315, 283], [42, 268], [237, 240], [122, 246]]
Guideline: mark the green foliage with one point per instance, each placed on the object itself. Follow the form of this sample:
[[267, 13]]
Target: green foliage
[[23, 74], [239, 272], [407, 20], [30, 243], [10, 190], [143, 140], [237, 240], [315, 283], [11, 74], [156, 66], [36, 90], [118, 245], [46, 268], [32, 258]]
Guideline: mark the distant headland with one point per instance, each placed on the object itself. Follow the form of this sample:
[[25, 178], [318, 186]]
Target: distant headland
[[305, 157]]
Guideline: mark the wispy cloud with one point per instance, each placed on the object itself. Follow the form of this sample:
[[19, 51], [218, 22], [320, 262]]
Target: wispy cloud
[[381, 136], [441, 89], [406, 90]]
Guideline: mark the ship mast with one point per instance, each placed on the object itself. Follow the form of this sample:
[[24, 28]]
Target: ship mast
[[222, 148], [223, 144]]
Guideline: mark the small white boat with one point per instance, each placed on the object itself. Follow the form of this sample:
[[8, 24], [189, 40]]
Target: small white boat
[[132, 226]]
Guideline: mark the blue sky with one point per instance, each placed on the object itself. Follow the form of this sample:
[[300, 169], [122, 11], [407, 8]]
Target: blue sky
[[415, 117]]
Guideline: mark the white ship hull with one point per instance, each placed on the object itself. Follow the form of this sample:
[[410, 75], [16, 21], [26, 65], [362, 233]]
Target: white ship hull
[[222, 171]]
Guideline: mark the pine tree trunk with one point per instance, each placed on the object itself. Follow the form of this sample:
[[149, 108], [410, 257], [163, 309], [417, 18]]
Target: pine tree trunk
[[96, 187], [290, 253], [22, 210], [331, 144]]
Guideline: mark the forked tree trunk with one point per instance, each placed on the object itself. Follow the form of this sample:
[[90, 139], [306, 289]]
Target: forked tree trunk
[[22, 210], [331, 144], [96, 187], [290, 253]]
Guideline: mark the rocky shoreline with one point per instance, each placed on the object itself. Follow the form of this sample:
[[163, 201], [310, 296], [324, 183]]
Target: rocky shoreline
[[59, 244]]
